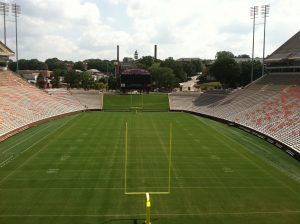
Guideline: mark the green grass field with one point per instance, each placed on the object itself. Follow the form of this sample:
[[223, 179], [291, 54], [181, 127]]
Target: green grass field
[[153, 101], [72, 171]]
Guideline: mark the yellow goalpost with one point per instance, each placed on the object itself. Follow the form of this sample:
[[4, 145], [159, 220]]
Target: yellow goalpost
[[140, 106], [148, 204]]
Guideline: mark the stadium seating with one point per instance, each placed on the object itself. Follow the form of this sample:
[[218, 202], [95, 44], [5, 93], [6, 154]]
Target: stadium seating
[[22, 104], [91, 99], [270, 105]]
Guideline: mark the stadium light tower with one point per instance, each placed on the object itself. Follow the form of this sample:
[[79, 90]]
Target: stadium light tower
[[253, 14], [4, 10], [265, 10], [16, 10]]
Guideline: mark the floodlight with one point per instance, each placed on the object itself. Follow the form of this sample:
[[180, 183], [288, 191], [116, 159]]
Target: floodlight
[[265, 10], [4, 10], [253, 14], [16, 10]]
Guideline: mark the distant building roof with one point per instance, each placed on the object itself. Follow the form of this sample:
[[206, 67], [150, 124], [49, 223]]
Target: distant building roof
[[93, 70], [135, 71], [188, 59], [45, 73], [5, 51], [238, 60], [289, 50]]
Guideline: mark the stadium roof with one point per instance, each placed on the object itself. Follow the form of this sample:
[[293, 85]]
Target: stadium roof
[[135, 71], [289, 50], [5, 51]]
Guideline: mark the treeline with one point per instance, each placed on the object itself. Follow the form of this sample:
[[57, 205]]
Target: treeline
[[71, 73], [231, 73], [52, 64], [166, 74]]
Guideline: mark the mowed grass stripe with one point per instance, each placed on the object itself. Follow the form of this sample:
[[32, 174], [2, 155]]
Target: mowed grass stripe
[[231, 142], [152, 101], [34, 154], [78, 175]]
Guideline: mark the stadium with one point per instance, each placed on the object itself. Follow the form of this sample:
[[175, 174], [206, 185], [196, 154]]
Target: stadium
[[75, 156]]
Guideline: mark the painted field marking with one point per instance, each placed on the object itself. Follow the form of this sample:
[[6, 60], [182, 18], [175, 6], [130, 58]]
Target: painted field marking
[[246, 157], [38, 131], [32, 156], [155, 214], [122, 188]]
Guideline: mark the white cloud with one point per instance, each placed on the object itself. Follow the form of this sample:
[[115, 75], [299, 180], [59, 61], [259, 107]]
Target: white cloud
[[80, 29]]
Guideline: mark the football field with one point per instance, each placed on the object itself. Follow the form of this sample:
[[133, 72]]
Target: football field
[[150, 102], [72, 170]]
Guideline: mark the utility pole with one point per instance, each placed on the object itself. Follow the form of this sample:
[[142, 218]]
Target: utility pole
[[265, 10]]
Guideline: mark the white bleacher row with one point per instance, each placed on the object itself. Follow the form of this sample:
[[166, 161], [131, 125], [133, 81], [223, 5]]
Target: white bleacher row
[[22, 104], [270, 105], [91, 99]]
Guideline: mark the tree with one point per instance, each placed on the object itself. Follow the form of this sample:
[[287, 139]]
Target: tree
[[197, 64], [101, 65], [24, 64], [100, 86], [177, 68], [72, 78], [55, 63], [146, 62], [226, 70], [245, 72], [79, 65], [86, 81], [243, 56], [189, 68], [55, 81], [12, 65], [34, 64], [203, 69], [224, 54], [163, 77], [112, 82], [41, 82]]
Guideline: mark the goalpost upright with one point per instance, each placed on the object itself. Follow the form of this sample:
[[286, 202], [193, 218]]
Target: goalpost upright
[[148, 203], [137, 103]]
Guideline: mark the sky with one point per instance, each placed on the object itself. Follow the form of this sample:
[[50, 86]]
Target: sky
[[82, 29]]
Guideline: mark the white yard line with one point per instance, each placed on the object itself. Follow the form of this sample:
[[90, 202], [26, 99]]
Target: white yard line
[[38, 131], [4, 162], [122, 178], [122, 188], [31, 157], [156, 214], [248, 159]]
